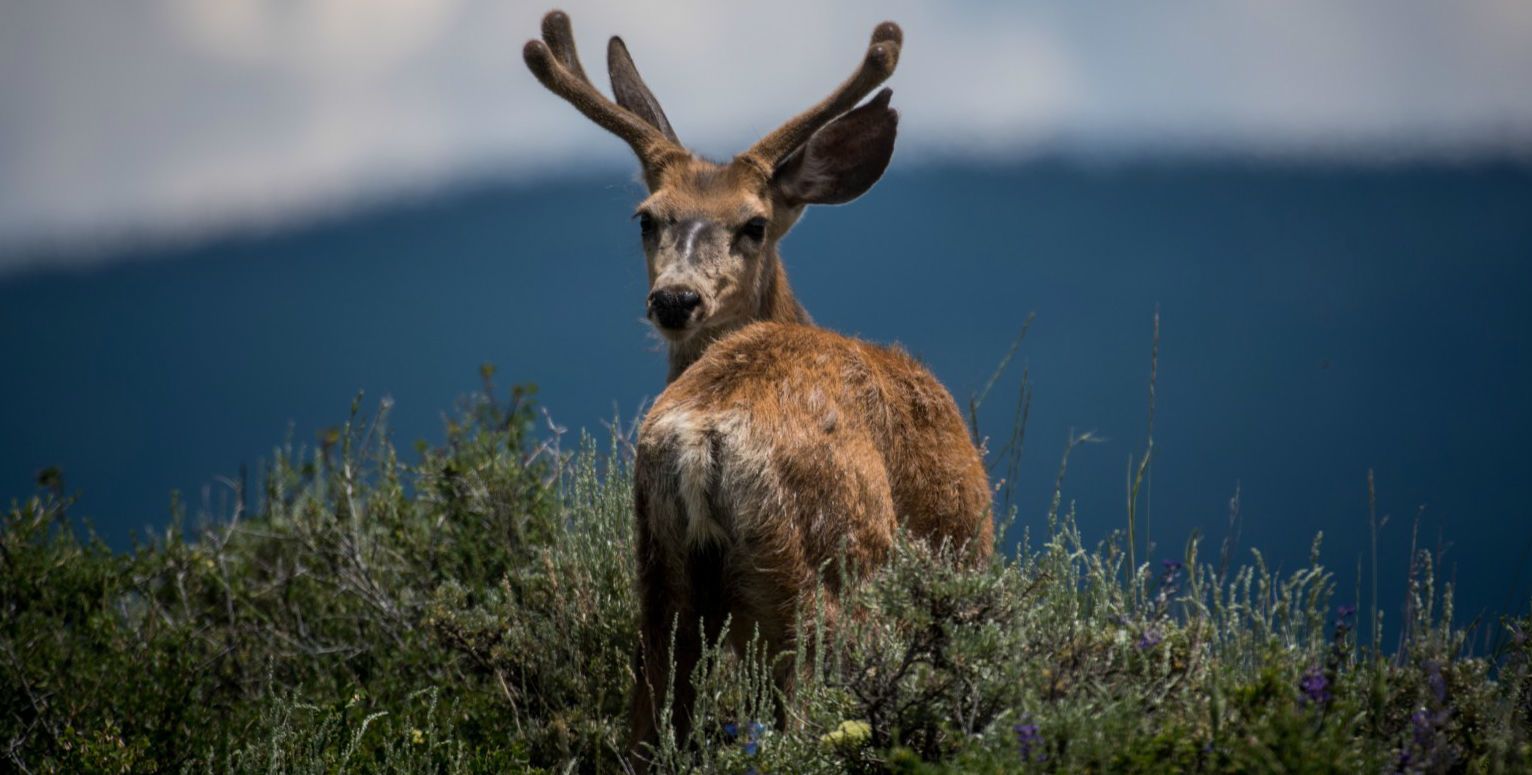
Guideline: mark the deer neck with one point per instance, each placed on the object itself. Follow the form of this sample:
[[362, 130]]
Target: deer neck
[[775, 302]]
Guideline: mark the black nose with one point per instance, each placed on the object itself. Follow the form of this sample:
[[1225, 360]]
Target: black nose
[[672, 307]]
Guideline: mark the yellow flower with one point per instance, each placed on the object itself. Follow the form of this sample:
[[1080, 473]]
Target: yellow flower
[[417, 737], [849, 733]]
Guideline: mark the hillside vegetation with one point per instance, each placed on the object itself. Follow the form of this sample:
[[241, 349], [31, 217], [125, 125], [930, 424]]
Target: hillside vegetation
[[473, 612]]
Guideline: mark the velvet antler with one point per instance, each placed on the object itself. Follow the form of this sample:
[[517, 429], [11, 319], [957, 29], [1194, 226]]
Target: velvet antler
[[882, 56], [636, 116]]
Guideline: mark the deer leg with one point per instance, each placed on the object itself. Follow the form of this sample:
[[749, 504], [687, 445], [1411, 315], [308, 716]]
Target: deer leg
[[661, 600], [670, 645], [650, 662], [672, 641]]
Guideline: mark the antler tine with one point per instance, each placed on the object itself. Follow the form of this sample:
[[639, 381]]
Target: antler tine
[[554, 61], [558, 33], [879, 63]]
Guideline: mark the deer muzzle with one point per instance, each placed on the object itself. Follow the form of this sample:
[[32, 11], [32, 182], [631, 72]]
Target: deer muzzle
[[672, 308]]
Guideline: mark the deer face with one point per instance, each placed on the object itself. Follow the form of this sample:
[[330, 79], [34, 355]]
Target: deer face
[[707, 231], [710, 230]]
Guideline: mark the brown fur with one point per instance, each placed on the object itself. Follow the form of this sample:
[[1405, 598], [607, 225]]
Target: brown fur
[[811, 449], [780, 453]]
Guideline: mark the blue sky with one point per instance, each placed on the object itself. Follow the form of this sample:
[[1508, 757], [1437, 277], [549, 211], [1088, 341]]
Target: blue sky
[[172, 119]]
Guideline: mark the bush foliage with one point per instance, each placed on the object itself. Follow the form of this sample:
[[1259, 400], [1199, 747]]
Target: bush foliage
[[474, 612]]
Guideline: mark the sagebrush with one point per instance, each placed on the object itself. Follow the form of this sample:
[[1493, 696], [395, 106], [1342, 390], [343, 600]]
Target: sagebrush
[[473, 611]]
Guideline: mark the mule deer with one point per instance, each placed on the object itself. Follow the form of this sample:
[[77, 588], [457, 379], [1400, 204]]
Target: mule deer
[[777, 448]]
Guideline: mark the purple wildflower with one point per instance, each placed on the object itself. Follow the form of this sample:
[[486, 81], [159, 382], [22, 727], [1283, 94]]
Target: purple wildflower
[[1170, 574], [1169, 586], [753, 732], [1424, 730], [731, 730], [1315, 687], [1149, 639], [1029, 739], [1436, 681], [1340, 641], [1343, 621], [1430, 746]]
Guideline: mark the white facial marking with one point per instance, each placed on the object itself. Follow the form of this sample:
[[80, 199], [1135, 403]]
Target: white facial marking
[[690, 238]]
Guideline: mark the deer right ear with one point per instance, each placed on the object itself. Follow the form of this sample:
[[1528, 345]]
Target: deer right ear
[[842, 160]]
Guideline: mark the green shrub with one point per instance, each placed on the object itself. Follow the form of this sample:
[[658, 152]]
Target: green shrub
[[474, 612]]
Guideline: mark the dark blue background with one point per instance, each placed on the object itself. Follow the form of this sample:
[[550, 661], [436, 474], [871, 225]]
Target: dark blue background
[[1318, 321]]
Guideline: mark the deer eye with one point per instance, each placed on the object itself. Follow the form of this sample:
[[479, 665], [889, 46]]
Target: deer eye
[[646, 225], [755, 229]]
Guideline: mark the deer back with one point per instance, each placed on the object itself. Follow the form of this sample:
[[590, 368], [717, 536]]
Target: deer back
[[798, 446]]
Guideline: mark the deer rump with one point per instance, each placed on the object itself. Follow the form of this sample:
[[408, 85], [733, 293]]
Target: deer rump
[[784, 456]]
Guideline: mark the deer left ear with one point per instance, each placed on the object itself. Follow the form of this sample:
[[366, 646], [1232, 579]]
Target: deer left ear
[[842, 160]]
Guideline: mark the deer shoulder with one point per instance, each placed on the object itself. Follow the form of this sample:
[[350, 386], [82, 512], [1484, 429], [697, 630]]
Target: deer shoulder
[[789, 406]]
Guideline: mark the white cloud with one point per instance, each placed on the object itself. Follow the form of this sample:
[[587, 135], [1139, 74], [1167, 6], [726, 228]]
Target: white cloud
[[172, 118]]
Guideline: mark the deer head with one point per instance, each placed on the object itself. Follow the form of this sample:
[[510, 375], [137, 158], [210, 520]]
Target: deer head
[[710, 230]]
